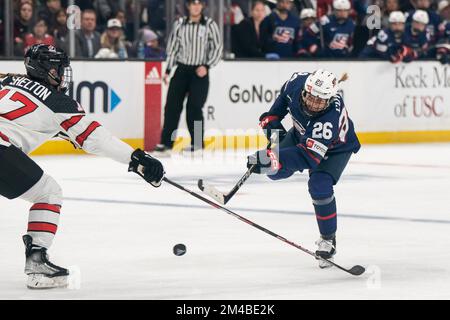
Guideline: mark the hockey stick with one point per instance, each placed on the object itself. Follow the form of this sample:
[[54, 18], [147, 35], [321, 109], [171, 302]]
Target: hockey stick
[[221, 197], [355, 270]]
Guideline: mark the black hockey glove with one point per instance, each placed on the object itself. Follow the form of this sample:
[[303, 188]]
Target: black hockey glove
[[265, 161], [271, 124], [147, 167]]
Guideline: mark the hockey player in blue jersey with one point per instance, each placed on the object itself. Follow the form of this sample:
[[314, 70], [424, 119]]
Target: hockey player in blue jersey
[[336, 31], [433, 19], [416, 35], [307, 43], [322, 141], [279, 30], [388, 43]]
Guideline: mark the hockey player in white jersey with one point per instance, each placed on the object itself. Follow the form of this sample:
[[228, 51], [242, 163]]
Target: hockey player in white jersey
[[33, 109]]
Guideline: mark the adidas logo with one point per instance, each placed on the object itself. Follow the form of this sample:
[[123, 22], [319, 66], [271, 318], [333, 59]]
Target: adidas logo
[[153, 77]]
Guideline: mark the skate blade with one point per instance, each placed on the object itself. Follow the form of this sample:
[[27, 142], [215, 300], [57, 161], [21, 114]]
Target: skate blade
[[40, 281]]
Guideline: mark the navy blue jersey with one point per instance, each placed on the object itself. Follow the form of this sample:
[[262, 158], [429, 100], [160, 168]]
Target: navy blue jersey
[[338, 37], [418, 42], [307, 42], [317, 137], [433, 24], [444, 32], [284, 30], [384, 45]]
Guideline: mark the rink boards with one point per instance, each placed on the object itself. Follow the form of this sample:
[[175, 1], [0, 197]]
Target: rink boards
[[389, 103]]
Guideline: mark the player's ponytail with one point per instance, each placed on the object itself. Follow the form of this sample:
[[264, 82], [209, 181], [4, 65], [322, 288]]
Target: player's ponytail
[[343, 78]]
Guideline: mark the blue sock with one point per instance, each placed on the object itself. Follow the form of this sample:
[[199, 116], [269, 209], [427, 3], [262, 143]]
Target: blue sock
[[326, 215]]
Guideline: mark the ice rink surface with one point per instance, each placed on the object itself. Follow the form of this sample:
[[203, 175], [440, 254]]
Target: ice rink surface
[[393, 217]]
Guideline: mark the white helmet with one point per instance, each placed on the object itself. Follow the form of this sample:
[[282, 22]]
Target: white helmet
[[341, 4], [397, 16], [421, 16], [322, 84], [442, 5], [320, 87], [308, 13]]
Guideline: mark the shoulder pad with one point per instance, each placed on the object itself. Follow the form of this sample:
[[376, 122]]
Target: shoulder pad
[[60, 103], [6, 80]]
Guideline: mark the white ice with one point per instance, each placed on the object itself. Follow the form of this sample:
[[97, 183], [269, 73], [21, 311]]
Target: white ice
[[394, 218]]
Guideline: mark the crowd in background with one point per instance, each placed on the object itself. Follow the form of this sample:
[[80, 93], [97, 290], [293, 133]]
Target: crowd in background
[[266, 29], [342, 29], [106, 27]]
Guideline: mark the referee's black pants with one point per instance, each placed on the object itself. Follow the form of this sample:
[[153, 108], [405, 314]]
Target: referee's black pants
[[185, 82]]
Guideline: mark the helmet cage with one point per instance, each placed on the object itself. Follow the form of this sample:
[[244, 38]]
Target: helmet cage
[[47, 63], [312, 105]]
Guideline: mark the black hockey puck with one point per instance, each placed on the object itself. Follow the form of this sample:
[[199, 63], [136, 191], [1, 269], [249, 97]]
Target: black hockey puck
[[179, 249]]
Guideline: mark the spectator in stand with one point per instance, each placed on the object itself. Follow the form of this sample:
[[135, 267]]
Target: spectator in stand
[[150, 46], [406, 5], [247, 40], [61, 31], [127, 28], [324, 8], [87, 40], [416, 39], [48, 13], [22, 26], [156, 12], [337, 30], [39, 35], [85, 4], [279, 30], [443, 44], [106, 9], [388, 43], [112, 44], [433, 18], [307, 43], [389, 6]]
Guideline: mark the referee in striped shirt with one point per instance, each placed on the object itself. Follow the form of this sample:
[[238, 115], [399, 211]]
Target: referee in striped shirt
[[194, 46]]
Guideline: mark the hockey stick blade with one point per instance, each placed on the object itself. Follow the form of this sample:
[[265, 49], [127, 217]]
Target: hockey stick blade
[[357, 270], [212, 192], [221, 197]]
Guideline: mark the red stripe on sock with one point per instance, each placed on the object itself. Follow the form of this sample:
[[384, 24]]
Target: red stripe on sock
[[82, 137], [331, 216], [46, 206], [42, 227], [69, 123]]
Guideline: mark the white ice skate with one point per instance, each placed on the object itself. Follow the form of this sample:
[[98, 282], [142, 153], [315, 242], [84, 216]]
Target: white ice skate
[[42, 274], [326, 249]]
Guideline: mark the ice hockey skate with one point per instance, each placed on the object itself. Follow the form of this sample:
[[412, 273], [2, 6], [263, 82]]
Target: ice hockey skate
[[42, 274], [326, 249]]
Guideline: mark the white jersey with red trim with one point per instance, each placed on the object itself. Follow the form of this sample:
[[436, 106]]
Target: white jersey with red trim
[[32, 113]]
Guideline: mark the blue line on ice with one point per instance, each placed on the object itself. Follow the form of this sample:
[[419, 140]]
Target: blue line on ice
[[174, 205]]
